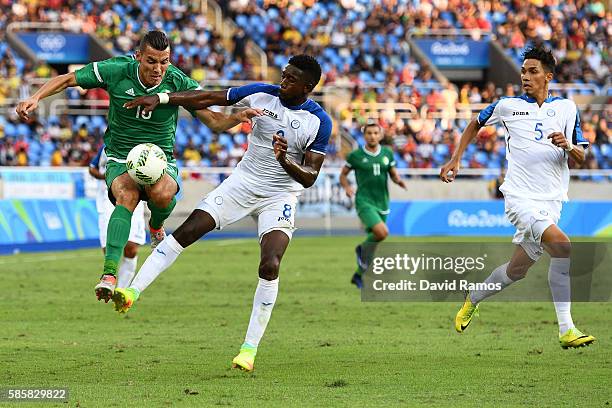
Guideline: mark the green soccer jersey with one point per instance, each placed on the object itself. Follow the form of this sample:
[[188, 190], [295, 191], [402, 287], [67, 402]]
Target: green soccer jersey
[[371, 171], [130, 127]]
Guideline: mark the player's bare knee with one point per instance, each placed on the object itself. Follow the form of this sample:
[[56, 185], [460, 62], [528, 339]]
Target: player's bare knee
[[380, 233], [517, 272], [269, 267], [130, 250], [128, 198], [559, 249], [162, 199]]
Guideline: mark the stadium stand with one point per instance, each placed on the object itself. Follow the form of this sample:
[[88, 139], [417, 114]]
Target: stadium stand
[[362, 47], [197, 49], [364, 36]]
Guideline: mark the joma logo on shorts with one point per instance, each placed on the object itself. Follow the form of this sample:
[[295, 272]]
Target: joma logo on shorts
[[284, 219]]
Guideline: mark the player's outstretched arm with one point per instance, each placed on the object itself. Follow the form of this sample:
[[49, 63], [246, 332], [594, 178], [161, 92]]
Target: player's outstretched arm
[[348, 189], [55, 85], [194, 100], [306, 174], [218, 122], [452, 166]]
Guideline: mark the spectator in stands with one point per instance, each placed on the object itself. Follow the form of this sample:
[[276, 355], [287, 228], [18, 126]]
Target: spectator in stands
[[240, 41]]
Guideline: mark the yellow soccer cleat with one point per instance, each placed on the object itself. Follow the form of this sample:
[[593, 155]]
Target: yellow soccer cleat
[[465, 314], [124, 299], [245, 360], [574, 338]]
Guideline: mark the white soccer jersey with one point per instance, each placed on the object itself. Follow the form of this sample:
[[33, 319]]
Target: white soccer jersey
[[537, 169], [306, 127]]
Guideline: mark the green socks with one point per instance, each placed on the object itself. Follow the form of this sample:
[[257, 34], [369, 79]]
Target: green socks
[[370, 238], [117, 236], [159, 215], [370, 243]]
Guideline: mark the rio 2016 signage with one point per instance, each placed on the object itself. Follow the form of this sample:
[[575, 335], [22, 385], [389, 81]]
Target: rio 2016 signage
[[458, 54], [58, 47]]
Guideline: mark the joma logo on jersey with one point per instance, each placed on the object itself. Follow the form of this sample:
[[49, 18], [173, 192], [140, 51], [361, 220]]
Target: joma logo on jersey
[[520, 113], [270, 113]]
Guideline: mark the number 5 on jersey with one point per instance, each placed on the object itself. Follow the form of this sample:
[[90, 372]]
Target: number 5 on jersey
[[538, 129]]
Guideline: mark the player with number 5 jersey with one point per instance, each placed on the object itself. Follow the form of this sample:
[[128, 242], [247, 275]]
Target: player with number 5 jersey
[[286, 150], [542, 133], [148, 72]]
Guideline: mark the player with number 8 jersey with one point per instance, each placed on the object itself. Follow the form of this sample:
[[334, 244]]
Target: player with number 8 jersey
[[286, 151]]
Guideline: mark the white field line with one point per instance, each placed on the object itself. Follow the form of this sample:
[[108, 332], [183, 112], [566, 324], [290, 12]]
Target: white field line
[[49, 258]]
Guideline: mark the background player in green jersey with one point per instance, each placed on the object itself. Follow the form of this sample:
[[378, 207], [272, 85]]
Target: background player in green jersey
[[371, 163], [149, 72]]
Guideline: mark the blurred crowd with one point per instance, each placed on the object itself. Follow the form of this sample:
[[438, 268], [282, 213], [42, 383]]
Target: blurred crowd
[[361, 44], [425, 140], [197, 49], [363, 36]]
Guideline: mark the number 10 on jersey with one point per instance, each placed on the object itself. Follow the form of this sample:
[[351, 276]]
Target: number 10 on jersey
[[140, 113]]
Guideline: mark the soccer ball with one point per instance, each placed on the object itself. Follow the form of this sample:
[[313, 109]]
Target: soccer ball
[[146, 163]]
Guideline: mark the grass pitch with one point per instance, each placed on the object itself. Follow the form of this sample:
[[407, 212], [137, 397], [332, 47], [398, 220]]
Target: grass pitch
[[323, 346]]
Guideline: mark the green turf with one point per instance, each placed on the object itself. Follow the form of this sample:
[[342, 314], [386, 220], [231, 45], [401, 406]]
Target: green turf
[[323, 347]]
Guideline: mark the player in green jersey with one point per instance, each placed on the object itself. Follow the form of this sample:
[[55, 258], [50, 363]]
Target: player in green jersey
[[149, 72], [371, 163]]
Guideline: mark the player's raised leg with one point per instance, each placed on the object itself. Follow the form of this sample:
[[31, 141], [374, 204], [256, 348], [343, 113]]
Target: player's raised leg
[[127, 195], [273, 246], [558, 245], [501, 277], [192, 229], [162, 200]]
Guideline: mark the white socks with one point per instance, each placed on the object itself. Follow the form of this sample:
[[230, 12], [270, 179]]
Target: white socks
[[497, 276], [160, 259], [560, 287], [263, 302], [127, 271]]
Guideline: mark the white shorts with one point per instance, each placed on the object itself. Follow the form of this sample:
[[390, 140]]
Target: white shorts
[[138, 234], [234, 199], [531, 218]]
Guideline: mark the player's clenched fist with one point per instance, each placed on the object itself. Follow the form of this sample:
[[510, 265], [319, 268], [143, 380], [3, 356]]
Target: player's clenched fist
[[280, 147], [25, 107], [451, 167], [559, 140], [148, 103]]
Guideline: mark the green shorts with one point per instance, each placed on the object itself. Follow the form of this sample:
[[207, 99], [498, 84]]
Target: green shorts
[[115, 169], [370, 215]]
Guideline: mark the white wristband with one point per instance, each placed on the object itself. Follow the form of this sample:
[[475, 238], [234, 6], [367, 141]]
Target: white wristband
[[569, 147], [163, 98]]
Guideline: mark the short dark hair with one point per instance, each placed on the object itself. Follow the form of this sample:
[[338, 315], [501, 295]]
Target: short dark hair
[[544, 55], [156, 40], [309, 65], [370, 123]]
